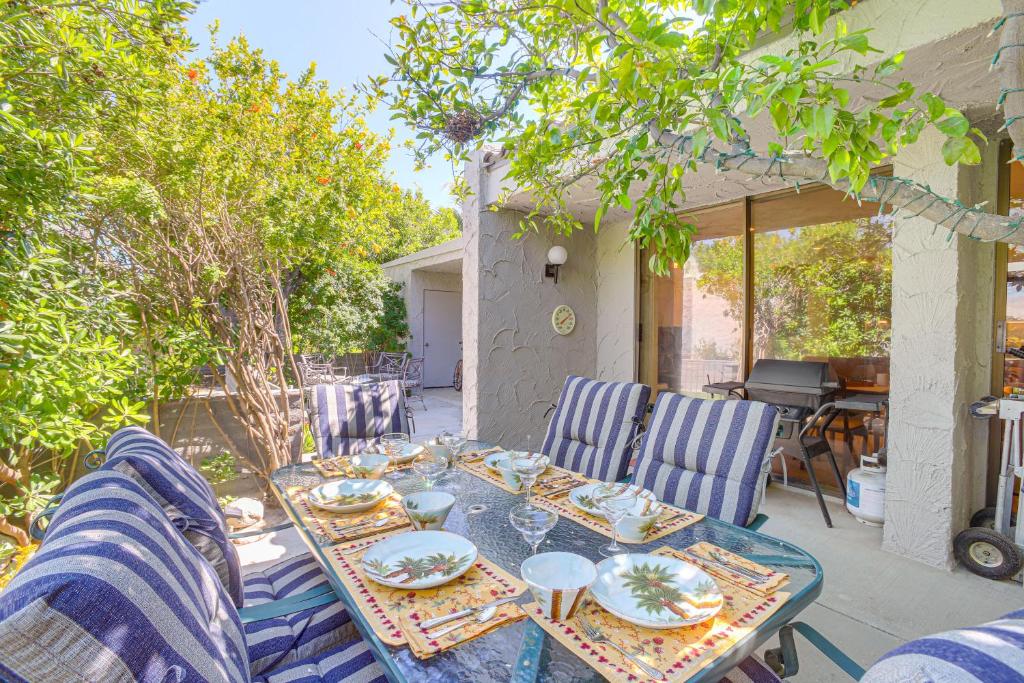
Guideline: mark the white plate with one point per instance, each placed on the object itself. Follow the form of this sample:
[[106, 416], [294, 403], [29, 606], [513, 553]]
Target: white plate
[[656, 592], [419, 559], [408, 452], [350, 495], [496, 461], [583, 498]]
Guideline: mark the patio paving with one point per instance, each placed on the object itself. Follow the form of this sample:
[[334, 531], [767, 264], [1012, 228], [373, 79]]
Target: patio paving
[[871, 602]]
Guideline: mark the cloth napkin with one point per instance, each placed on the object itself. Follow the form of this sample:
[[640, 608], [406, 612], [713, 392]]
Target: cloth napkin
[[704, 550], [424, 647]]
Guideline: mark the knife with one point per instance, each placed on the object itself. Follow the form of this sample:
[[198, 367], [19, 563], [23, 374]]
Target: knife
[[437, 621]]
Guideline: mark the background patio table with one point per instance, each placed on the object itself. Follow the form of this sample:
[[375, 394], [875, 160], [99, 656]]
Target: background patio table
[[523, 652]]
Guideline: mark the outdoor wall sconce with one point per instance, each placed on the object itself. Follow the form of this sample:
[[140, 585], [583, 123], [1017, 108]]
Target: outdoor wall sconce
[[556, 258]]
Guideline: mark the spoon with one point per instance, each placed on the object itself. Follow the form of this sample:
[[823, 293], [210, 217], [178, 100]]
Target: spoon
[[484, 616]]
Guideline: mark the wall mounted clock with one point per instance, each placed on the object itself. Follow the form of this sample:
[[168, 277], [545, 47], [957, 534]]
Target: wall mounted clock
[[563, 319]]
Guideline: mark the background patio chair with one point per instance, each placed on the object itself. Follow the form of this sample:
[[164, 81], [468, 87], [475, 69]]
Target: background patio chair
[[593, 425], [412, 381], [346, 418], [711, 457], [389, 364], [113, 564]]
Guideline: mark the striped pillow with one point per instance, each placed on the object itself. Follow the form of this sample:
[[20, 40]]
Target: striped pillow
[[183, 493], [346, 418], [593, 426], [992, 652], [708, 456], [115, 593]]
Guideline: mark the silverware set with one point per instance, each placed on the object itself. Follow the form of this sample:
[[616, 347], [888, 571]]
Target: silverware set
[[597, 636], [480, 614], [723, 562]]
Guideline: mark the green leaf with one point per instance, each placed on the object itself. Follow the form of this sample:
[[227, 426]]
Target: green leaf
[[936, 107], [956, 125], [954, 148]]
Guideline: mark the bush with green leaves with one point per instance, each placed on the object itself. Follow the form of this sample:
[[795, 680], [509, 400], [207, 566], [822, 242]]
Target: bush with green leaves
[[67, 375], [391, 331]]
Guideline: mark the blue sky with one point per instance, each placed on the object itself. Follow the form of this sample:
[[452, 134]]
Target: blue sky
[[336, 34]]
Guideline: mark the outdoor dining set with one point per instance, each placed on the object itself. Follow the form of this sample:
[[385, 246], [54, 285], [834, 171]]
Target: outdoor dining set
[[625, 548]]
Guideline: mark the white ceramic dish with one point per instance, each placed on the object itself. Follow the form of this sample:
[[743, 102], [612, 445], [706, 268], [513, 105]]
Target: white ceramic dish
[[369, 465], [408, 453], [583, 498], [428, 509], [558, 581], [656, 592], [419, 559], [350, 495]]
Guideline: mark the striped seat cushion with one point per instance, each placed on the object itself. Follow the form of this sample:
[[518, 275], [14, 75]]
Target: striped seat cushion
[[350, 662], [346, 418], [593, 425], [751, 670], [708, 456], [183, 493], [992, 652], [116, 594], [281, 640]]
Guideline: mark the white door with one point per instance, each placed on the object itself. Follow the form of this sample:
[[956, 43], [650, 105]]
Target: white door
[[442, 336]]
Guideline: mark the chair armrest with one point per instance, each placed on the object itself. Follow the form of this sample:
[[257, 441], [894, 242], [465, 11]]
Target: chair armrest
[[784, 659], [758, 522], [315, 597], [37, 531], [260, 532], [94, 458]]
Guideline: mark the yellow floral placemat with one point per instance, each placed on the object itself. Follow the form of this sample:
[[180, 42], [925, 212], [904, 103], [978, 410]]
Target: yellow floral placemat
[[705, 553], [385, 607], [472, 456], [671, 520], [424, 646], [679, 653], [338, 526], [341, 466], [479, 469]]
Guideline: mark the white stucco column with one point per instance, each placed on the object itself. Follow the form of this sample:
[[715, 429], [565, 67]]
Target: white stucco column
[[941, 357]]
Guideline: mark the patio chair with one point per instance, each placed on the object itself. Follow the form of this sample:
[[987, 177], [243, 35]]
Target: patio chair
[[389, 364], [274, 628], [116, 593], [708, 456], [412, 381], [347, 418], [594, 424]]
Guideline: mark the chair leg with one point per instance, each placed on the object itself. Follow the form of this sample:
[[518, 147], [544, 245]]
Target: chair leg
[[835, 471], [817, 487]]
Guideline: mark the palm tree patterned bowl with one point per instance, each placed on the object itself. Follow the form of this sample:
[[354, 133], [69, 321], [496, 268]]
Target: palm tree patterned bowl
[[369, 465], [656, 592], [428, 509], [350, 495], [419, 559], [634, 527], [559, 582]]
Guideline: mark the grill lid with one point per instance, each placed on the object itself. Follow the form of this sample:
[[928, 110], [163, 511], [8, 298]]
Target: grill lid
[[794, 376]]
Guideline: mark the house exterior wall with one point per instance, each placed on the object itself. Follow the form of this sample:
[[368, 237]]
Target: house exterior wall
[[414, 277], [616, 325]]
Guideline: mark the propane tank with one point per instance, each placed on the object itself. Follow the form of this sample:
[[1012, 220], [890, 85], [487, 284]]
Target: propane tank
[[865, 491]]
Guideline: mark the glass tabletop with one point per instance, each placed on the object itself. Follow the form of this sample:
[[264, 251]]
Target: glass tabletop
[[523, 651]]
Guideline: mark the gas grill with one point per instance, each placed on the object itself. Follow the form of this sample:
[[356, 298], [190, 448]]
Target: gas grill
[[805, 394]]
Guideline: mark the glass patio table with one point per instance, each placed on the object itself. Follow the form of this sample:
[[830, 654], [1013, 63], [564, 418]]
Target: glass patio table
[[523, 652]]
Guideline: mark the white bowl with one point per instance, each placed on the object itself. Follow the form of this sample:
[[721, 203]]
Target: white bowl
[[558, 581], [634, 527], [400, 561], [428, 509], [369, 465], [350, 495]]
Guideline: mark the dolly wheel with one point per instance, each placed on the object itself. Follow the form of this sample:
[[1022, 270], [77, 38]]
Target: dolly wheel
[[987, 553], [984, 518]]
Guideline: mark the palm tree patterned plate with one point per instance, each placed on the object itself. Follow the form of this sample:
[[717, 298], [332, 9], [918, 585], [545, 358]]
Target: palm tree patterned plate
[[419, 559], [655, 591], [350, 495], [583, 498], [408, 452], [502, 459]]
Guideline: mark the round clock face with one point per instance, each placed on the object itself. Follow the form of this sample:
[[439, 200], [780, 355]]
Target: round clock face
[[563, 319]]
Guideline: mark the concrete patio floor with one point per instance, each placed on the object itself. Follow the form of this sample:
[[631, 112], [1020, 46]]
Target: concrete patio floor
[[871, 602]]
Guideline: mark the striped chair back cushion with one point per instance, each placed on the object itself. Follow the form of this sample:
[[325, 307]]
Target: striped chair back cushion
[[708, 456], [993, 651], [183, 493], [346, 418], [116, 594], [593, 425]]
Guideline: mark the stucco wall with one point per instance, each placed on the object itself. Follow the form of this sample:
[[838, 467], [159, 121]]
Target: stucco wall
[[616, 304], [514, 361], [941, 360], [415, 280]]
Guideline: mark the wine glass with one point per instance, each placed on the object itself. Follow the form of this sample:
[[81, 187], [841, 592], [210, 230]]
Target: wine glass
[[392, 444], [614, 502], [533, 523], [430, 466], [454, 441], [528, 468]]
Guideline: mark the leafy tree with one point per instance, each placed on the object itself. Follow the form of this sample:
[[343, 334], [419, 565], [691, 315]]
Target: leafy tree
[[66, 371], [634, 95], [391, 330]]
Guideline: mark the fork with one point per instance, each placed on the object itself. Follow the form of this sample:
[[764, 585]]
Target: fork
[[597, 636]]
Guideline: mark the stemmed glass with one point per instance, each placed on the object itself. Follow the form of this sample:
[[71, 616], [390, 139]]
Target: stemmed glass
[[614, 501], [429, 466], [533, 523], [528, 468], [453, 441], [393, 443]]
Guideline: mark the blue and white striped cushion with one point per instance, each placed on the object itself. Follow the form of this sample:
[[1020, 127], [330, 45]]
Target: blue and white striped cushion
[[346, 418], [593, 425], [183, 493], [280, 640], [989, 653], [708, 456], [115, 593], [348, 663], [751, 670]]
